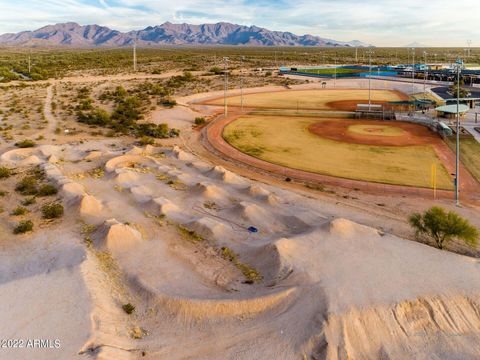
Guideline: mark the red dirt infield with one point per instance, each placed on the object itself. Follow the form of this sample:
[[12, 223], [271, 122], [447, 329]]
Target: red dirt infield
[[338, 131]]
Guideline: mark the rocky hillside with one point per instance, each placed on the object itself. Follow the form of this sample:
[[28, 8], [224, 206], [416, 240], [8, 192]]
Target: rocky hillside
[[75, 35]]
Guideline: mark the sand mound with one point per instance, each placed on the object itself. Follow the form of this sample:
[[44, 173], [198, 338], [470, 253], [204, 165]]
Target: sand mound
[[295, 224], [90, 206], [31, 160], [348, 229], [53, 159], [17, 155], [208, 228], [194, 309], [49, 150], [433, 325], [73, 190], [92, 155], [135, 151], [181, 155], [127, 178], [262, 194], [126, 161], [164, 206], [218, 172], [252, 212], [142, 194], [210, 190], [117, 237], [201, 166]]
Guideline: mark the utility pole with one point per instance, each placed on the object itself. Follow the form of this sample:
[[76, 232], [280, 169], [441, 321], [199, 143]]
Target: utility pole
[[135, 55], [425, 74], [370, 80], [225, 105], [241, 82], [335, 74], [356, 55], [457, 147], [29, 62], [469, 42]]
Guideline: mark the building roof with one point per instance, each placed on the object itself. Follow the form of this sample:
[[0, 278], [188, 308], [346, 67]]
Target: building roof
[[452, 109]]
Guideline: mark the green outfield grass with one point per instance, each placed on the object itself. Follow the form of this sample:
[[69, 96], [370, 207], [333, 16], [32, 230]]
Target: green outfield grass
[[331, 71], [287, 141], [469, 155]]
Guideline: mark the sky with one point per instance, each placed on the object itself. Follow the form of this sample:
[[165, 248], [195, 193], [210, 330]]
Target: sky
[[381, 23]]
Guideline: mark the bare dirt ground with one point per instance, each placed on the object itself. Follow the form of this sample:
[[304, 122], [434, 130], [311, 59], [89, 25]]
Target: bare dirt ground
[[166, 229]]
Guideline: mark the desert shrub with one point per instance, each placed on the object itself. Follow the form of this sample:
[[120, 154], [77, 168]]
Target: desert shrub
[[27, 143], [216, 70], [128, 308], [29, 201], [442, 227], [96, 116], [27, 186], [23, 227], [5, 172], [146, 140], [19, 210], [47, 190], [169, 103], [52, 211], [199, 121]]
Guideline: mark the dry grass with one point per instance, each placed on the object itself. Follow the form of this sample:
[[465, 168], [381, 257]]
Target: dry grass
[[287, 141]]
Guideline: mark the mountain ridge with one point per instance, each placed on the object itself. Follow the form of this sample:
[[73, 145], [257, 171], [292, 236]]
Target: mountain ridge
[[221, 33]]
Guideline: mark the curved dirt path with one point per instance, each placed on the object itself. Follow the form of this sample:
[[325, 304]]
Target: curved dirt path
[[214, 141]]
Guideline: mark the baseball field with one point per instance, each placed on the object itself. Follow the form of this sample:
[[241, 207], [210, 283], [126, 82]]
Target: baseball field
[[320, 99], [376, 151]]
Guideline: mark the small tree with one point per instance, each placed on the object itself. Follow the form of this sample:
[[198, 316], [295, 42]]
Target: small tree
[[442, 227]]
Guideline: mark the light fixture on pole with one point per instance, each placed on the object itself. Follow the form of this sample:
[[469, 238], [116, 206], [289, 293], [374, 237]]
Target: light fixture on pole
[[458, 68], [370, 52], [225, 105], [425, 75], [241, 82], [135, 55]]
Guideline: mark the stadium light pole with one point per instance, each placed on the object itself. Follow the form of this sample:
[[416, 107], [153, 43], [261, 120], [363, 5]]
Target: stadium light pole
[[335, 74], [370, 80], [458, 68], [425, 74], [225, 89], [241, 82], [135, 55]]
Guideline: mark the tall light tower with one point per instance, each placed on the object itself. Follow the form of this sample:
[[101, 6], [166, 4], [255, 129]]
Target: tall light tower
[[135, 55], [225, 89], [241, 82], [469, 43], [370, 52], [335, 74], [29, 62], [413, 71], [458, 69], [425, 74]]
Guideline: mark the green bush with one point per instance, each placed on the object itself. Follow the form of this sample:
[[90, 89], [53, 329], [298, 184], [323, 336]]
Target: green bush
[[146, 140], [199, 121], [27, 186], [19, 210], [47, 190], [27, 143], [442, 227], [23, 227], [128, 308], [52, 211], [5, 172], [29, 201]]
